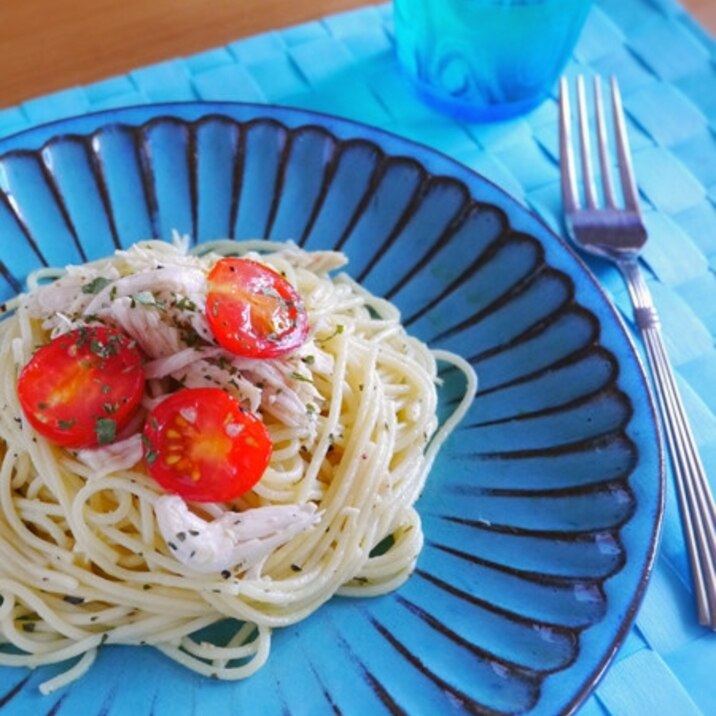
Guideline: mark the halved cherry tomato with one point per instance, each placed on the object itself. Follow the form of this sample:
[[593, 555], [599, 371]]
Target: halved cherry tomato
[[200, 444], [80, 389], [253, 311]]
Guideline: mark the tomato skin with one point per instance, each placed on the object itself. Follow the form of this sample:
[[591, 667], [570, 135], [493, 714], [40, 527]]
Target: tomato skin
[[200, 444], [81, 388], [253, 311]]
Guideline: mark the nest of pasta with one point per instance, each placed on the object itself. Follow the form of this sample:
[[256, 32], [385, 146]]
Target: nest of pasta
[[94, 550]]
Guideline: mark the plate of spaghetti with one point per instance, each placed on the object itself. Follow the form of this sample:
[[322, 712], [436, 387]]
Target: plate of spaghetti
[[300, 417]]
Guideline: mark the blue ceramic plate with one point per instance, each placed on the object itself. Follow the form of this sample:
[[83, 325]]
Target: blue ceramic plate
[[542, 512]]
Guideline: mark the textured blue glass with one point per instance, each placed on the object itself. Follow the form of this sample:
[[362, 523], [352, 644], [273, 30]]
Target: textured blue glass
[[486, 59]]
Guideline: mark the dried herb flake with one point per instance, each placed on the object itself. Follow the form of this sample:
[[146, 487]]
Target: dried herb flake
[[106, 430], [96, 285]]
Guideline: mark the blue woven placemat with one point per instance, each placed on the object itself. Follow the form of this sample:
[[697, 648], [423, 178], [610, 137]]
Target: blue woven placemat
[[344, 65]]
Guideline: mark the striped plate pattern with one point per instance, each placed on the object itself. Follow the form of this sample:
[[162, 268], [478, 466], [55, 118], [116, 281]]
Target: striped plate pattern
[[542, 512]]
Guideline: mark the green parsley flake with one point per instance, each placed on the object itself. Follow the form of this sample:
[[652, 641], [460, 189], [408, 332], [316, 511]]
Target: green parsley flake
[[337, 332], [183, 303], [383, 546], [106, 430], [146, 298], [96, 285], [298, 376]]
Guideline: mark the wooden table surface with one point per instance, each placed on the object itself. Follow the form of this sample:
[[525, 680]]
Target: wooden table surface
[[48, 45]]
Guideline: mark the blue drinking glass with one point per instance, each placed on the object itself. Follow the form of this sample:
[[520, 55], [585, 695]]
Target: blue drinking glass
[[486, 59]]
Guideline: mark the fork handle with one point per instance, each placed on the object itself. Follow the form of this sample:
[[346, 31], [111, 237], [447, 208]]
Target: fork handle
[[698, 509]]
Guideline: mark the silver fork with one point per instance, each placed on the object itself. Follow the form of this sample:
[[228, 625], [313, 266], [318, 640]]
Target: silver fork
[[614, 230]]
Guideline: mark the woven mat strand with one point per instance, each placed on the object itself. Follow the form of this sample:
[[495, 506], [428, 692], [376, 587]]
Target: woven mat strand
[[344, 65]]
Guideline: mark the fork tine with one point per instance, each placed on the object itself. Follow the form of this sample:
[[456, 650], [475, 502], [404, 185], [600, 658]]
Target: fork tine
[[607, 185], [590, 192], [570, 195], [626, 170]]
